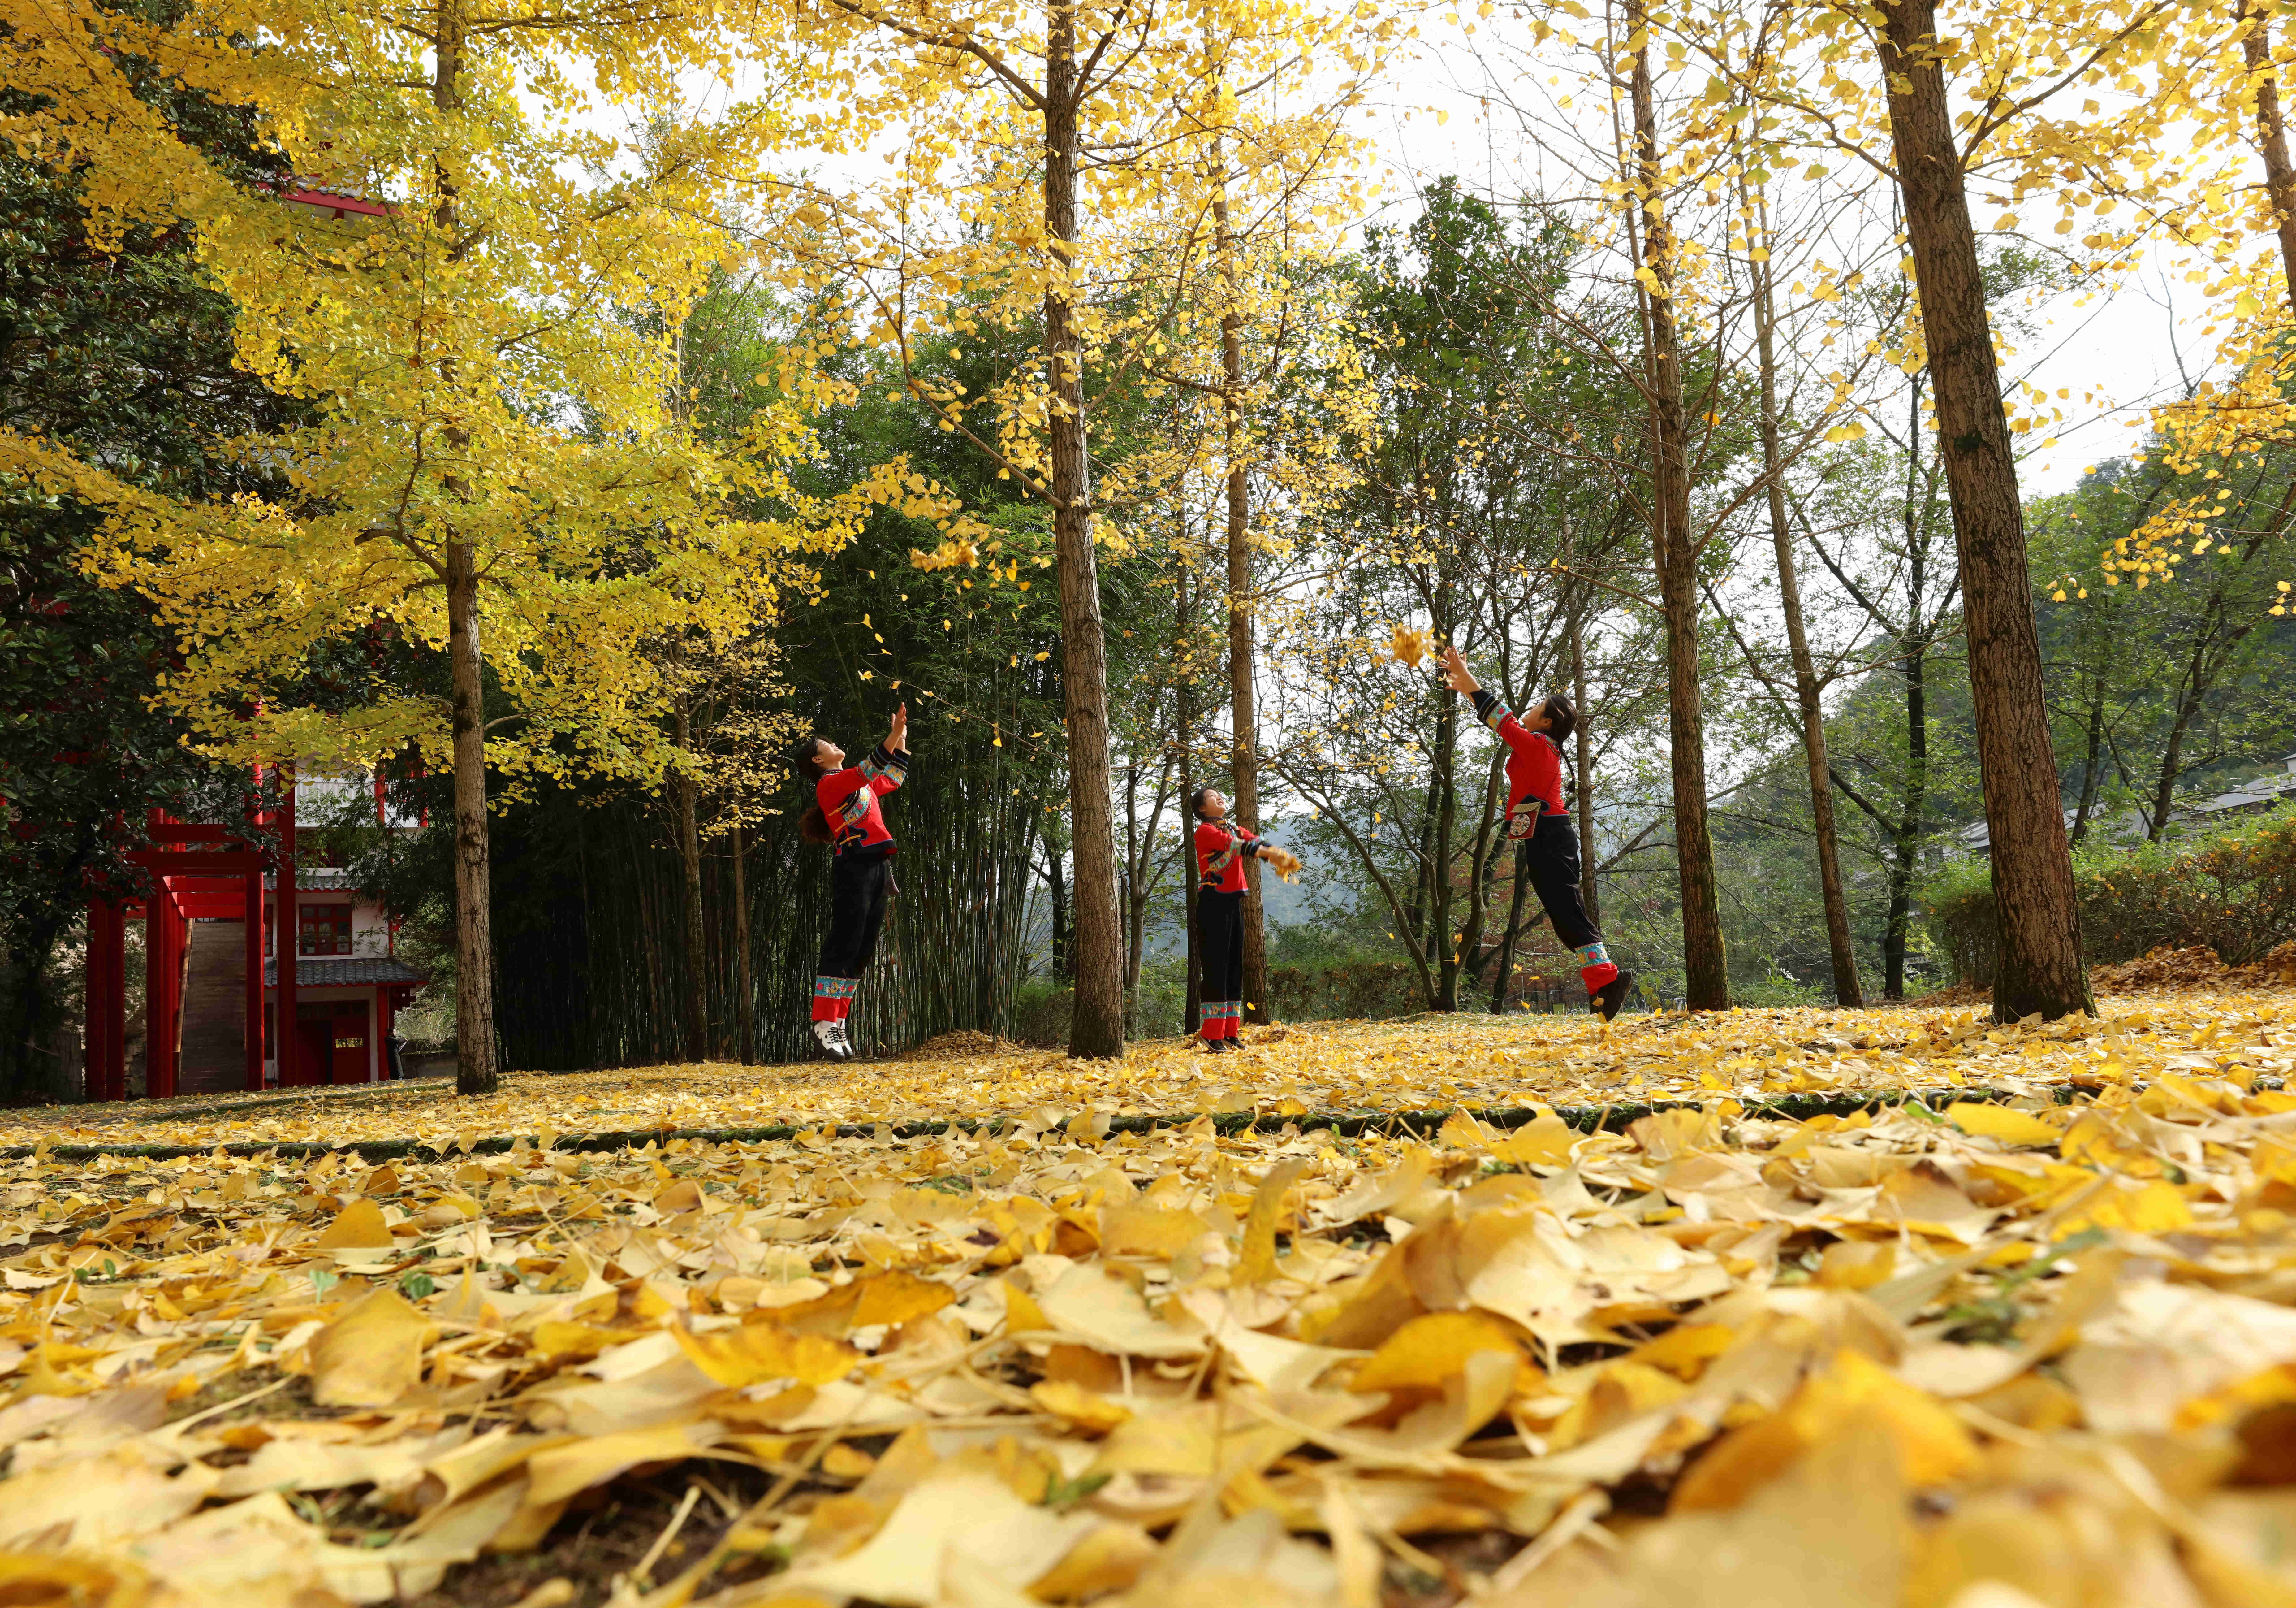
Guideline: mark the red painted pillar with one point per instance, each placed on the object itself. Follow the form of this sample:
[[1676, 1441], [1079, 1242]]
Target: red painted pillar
[[179, 939], [286, 1042], [253, 1027], [385, 1012]]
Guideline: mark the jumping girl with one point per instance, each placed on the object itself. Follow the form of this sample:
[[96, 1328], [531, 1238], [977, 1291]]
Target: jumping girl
[[845, 815], [1220, 848], [1536, 818]]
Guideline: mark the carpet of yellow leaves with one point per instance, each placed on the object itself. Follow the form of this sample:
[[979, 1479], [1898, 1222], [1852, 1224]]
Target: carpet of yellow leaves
[[1974, 1355], [1477, 1061]]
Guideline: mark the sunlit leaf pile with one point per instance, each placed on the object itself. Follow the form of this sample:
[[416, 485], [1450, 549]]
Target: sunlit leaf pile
[[2030, 1342]]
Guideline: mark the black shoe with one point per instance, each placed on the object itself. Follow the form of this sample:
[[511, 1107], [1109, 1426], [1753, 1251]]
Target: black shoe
[[834, 1043], [1215, 1046], [1606, 1000]]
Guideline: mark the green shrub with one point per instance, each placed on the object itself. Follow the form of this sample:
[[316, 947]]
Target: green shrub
[[2234, 891]]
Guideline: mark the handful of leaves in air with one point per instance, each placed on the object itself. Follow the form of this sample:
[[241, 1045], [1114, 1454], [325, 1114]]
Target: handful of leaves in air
[[1409, 646], [948, 555], [1285, 863]]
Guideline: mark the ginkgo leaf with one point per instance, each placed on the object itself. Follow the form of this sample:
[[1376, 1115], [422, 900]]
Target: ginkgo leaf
[[371, 1356], [754, 1352], [1428, 1352], [2002, 1122], [357, 1226]]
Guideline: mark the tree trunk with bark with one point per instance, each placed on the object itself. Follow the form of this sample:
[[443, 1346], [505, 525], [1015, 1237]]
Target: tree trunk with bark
[[2172, 749], [1482, 872], [1056, 888], [475, 1072], [1584, 745], [2091, 763], [2272, 137], [1096, 1029], [1913, 807], [1192, 1010], [1243, 714], [1139, 848], [1516, 905], [1440, 944], [1705, 959], [2041, 970], [1840, 949]]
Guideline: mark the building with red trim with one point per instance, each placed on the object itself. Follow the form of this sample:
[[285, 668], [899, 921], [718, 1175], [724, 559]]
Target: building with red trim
[[215, 997]]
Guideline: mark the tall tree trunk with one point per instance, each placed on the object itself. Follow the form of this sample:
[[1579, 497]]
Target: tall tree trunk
[[1705, 960], [1136, 901], [1096, 1029], [1516, 905], [689, 862], [1192, 1011], [1482, 871], [475, 1072], [1243, 714], [2091, 762], [1423, 886], [2272, 137], [1846, 990], [2172, 751], [2041, 970], [1441, 942], [1584, 745], [1056, 888], [745, 1032], [1905, 848]]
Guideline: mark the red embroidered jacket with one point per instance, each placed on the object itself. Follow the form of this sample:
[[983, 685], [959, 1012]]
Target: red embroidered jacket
[[1534, 766], [849, 798], [1220, 849]]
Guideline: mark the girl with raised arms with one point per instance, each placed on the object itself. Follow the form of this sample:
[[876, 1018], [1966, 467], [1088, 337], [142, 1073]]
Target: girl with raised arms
[[845, 816], [1536, 816]]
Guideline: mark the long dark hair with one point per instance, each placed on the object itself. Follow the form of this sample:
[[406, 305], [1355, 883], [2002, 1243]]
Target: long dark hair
[[1561, 717], [813, 825]]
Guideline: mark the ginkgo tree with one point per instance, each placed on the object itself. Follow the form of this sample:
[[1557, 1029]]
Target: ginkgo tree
[[1244, 330], [475, 290], [1023, 137], [1957, 103], [2241, 240]]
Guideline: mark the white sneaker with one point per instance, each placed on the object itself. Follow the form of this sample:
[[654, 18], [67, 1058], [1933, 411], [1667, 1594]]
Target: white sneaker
[[831, 1036]]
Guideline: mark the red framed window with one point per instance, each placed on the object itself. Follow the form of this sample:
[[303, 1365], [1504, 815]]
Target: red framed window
[[323, 928]]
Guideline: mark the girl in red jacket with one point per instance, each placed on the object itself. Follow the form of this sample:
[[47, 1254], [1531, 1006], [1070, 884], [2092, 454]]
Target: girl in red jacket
[[1221, 846], [845, 816], [1536, 818]]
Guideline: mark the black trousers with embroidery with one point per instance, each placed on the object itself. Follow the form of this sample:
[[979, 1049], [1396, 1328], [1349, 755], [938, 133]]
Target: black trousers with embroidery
[[1219, 928], [1551, 857], [858, 890]]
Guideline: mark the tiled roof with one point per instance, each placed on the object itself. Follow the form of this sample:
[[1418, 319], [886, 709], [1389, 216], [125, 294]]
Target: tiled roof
[[316, 972]]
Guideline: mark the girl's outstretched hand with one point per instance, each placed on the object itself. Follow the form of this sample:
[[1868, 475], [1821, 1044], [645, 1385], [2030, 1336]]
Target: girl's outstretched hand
[[1455, 672], [897, 741]]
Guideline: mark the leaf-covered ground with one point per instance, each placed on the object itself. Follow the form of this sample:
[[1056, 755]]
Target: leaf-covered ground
[[1974, 1355], [1477, 1061]]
